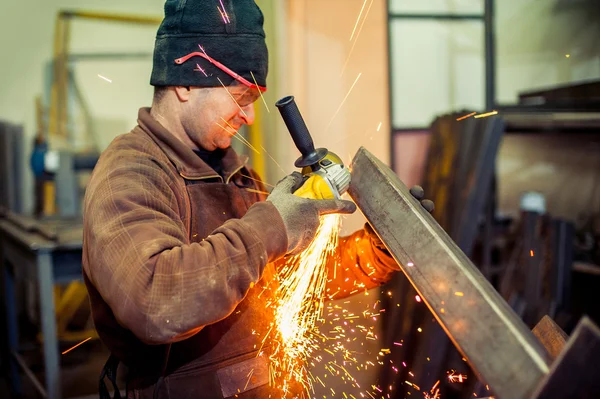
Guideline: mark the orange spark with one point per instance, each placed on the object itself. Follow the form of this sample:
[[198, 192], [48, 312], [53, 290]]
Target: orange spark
[[70, 349], [199, 69], [224, 12], [356, 39], [230, 95], [486, 114], [531, 252], [466, 116], [257, 180], [358, 19], [260, 92], [452, 377], [235, 135], [105, 78], [343, 101], [459, 293], [257, 191], [273, 159]]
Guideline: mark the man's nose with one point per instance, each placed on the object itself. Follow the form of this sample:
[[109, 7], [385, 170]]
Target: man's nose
[[247, 114]]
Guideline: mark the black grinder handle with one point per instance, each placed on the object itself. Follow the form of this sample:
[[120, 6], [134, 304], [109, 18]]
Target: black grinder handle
[[295, 123]]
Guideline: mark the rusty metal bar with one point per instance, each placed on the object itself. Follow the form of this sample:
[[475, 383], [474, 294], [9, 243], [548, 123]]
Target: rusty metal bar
[[494, 341], [574, 374]]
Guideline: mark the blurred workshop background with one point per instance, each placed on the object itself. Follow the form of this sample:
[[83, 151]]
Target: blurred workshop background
[[492, 106]]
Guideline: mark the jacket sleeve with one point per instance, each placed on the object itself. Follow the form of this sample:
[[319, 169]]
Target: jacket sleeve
[[359, 264], [137, 254]]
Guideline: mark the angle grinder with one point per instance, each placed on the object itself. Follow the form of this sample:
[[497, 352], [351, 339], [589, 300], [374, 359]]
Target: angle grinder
[[326, 177]]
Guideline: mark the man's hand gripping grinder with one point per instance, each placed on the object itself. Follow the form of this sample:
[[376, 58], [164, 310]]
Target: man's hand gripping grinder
[[326, 177]]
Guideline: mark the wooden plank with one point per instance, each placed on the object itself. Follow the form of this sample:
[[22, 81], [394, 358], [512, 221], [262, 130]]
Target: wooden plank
[[495, 342], [551, 336]]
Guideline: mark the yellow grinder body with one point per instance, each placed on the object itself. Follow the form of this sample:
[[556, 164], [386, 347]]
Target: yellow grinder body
[[328, 179]]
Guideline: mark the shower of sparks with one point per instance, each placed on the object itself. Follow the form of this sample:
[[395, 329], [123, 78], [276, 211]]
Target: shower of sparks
[[486, 114], [105, 78], [466, 116], [300, 303], [199, 69], [379, 126], [260, 92], [356, 39], [343, 101], [231, 95], [73, 347], [358, 19]]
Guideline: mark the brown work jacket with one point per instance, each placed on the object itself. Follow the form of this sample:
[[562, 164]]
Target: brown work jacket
[[174, 253]]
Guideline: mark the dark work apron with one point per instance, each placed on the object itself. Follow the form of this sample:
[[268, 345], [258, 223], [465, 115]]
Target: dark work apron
[[221, 360]]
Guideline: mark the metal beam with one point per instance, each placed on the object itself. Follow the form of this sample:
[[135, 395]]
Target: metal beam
[[494, 341], [574, 374]]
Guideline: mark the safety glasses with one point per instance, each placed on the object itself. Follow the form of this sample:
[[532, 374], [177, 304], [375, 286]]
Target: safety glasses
[[222, 67]]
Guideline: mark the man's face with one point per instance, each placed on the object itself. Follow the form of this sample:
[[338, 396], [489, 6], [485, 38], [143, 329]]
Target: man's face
[[213, 115]]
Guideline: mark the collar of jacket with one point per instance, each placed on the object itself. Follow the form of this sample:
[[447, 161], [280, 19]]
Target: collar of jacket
[[188, 164]]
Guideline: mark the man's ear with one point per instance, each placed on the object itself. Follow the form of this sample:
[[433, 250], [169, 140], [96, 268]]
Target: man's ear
[[183, 93]]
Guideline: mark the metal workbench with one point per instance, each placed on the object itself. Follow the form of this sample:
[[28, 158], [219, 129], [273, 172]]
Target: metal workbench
[[47, 252]]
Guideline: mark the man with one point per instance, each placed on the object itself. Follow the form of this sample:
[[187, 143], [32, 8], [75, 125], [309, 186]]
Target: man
[[180, 245]]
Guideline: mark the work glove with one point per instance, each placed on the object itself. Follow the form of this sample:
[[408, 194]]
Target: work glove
[[301, 216], [418, 193]]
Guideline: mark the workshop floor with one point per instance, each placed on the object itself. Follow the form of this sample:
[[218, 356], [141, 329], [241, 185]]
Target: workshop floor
[[80, 370]]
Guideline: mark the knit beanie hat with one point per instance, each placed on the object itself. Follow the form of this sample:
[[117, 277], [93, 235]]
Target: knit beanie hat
[[209, 43]]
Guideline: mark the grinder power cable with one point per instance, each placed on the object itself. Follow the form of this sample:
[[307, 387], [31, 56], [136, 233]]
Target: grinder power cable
[[325, 173]]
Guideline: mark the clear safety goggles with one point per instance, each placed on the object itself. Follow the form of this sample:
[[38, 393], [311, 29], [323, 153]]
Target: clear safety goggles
[[242, 90]]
